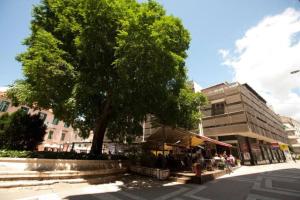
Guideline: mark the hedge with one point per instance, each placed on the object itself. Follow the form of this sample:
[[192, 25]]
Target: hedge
[[57, 155]]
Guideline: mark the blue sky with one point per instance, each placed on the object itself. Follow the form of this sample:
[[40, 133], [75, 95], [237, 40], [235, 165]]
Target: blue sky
[[213, 25]]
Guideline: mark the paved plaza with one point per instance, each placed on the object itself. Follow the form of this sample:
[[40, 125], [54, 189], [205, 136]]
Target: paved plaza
[[264, 182]]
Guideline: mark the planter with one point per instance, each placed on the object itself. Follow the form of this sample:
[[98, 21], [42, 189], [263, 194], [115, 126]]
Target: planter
[[160, 174]]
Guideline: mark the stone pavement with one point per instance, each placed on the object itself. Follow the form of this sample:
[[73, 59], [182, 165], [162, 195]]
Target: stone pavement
[[264, 182]]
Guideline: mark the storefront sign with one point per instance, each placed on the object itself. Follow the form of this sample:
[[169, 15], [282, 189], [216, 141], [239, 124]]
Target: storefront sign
[[284, 147], [274, 145]]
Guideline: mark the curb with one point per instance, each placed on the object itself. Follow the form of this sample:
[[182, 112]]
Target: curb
[[13, 184]]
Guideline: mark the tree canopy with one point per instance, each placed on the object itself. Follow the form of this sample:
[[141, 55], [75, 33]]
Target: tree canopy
[[21, 131], [104, 65]]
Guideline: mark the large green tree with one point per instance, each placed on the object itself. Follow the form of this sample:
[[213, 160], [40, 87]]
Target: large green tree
[[103, 65]]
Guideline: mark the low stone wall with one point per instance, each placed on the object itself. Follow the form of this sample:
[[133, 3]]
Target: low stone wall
[[160, 174], [36, 164]]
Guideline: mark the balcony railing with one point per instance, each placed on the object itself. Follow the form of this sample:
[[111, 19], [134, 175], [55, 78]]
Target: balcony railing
[[223, 119]]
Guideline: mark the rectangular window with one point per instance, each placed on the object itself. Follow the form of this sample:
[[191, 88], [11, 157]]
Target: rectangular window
[[217, 109], [50, 135], [42, 116], [4, 106], [25, 109], [55, 121], [62, 138]]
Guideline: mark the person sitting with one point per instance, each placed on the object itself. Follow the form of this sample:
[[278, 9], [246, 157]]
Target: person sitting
[[222, 158], [215, 160], [216, 157]]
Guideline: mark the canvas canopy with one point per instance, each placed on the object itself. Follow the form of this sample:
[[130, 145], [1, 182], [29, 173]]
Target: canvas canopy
[[179, 137]]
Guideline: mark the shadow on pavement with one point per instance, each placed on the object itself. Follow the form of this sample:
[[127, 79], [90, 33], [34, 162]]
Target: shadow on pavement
[[277, 184]]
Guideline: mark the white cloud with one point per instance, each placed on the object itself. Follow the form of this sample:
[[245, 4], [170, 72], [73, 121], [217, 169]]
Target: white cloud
[[224, 53], [264, 58]]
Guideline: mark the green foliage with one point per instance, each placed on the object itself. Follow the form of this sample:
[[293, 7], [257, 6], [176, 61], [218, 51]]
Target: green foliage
[[21, 131], [189, 104], [104, 65], [183, 111], [15, 154], [56, 155], [221, 165]]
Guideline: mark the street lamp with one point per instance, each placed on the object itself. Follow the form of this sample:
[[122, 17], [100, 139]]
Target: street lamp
[[294, 72]]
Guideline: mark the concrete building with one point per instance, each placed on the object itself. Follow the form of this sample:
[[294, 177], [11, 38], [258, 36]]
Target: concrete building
[[292, 129], [59, 135], [238, 115]]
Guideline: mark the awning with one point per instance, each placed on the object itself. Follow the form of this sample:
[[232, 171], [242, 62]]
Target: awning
[[214, 141], [179, 137]]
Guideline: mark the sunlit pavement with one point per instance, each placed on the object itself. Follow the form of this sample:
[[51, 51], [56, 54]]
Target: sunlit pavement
[[264, 182]]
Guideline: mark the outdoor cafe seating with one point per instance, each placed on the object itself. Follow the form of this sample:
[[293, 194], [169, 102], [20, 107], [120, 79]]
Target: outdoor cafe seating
[[183, 148]]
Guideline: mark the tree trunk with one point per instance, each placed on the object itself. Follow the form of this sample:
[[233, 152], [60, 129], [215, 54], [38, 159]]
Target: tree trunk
[[99, 130]]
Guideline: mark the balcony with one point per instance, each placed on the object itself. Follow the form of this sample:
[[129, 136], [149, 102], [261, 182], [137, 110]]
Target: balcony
[[226, 130], [293, 137], [224, 119]]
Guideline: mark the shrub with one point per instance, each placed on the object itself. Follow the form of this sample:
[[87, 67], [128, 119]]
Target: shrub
[[221, 165], [14, 154], [57, 155], [21, 131]]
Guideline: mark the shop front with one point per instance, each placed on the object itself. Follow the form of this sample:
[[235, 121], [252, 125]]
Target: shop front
[[255, 152], [245, 151]]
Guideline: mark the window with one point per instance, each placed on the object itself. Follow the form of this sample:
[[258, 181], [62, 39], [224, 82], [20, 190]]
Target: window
[[4, 106], [50, 135], [55, 121], [25, 109], [285, 127], [42, 116], [62, 138], [217, 109]]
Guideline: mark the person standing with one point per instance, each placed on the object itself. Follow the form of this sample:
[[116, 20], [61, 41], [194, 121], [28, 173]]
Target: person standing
[[294, 157]]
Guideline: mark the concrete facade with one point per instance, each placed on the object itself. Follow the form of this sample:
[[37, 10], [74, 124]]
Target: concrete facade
[[238, 115], [292, 129]]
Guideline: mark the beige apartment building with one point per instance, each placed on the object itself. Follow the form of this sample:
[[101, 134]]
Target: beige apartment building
[[238, 115], [292, 129], [59, 135]]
